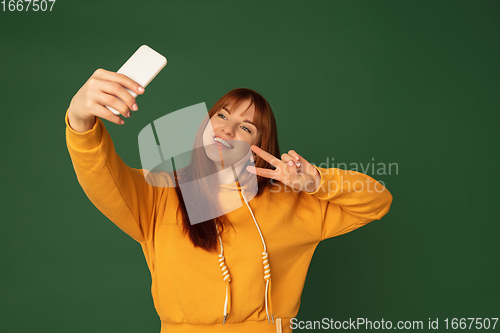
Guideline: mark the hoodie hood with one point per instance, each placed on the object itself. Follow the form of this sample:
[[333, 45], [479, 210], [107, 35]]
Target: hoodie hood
[[229, 199]]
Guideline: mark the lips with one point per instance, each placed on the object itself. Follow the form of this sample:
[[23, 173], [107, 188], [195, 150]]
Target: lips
[[221, 146]]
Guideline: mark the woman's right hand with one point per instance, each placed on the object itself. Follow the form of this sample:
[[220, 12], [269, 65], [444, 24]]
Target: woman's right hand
[[101, 89]]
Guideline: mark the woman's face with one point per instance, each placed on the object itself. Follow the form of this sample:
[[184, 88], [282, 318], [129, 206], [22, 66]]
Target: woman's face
[[231, 134]]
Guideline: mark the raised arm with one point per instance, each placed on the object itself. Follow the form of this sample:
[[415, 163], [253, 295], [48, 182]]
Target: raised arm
[[348, 200], [120, 192], [342, 200]]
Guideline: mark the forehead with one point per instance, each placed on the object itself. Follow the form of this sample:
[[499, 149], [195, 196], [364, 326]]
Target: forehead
[[242, 108]]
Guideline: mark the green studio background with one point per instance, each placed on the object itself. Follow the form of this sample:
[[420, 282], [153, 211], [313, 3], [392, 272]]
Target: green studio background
[[409, 82]]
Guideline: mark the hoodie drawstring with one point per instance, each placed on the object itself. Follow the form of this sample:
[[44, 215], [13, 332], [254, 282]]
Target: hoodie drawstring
[[267, 273], [227, 278], [267, 278], [267, 269]]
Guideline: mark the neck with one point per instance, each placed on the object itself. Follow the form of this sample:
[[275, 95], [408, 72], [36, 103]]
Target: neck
[[231, 173]]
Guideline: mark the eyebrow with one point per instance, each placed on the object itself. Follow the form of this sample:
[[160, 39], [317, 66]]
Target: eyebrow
[[246, 120]]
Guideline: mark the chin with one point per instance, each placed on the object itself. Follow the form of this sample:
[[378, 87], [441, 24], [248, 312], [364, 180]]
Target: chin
[[211, 153]]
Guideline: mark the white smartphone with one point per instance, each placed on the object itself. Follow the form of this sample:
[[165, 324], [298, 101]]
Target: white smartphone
[[142, 67]]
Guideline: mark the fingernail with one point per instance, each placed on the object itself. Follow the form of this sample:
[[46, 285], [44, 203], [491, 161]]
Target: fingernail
[[134, 107], [290, 163], [141, 89], [128, 114], [296, 157], [122, 122]]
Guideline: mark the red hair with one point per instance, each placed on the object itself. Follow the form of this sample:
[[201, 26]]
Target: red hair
[[204, 234]]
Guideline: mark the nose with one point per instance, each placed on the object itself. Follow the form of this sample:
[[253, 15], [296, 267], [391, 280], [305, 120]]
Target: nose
[[228, 130]]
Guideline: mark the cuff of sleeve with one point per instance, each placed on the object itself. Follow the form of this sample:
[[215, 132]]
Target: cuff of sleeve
[[87, 140]]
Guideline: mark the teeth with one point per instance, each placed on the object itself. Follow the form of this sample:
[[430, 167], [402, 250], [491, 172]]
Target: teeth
[[224, 142]]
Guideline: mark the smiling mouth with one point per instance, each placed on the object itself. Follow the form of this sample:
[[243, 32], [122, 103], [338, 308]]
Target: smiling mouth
[[222, 143]]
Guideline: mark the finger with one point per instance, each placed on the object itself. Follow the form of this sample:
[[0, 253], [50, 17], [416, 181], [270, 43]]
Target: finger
[[263, 172], [287, 157], [119, 78], [266, 156], [110, 100], [104, 113], [296, 156], [306, 166], [119, 91], [291, 168]]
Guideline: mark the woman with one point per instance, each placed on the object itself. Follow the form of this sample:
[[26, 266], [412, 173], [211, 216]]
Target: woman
[[215, 275]]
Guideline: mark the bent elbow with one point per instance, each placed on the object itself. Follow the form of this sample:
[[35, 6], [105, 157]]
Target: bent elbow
[[386, 201]]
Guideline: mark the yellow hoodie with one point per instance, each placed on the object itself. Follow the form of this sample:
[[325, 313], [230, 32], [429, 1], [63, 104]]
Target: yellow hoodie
[[273, 239]]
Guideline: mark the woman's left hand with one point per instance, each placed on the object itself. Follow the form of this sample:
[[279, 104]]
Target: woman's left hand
[[292, 170]]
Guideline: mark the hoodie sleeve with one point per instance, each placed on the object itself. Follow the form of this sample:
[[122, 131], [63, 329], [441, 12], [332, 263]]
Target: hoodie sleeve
[[120, 192], [349, 200]]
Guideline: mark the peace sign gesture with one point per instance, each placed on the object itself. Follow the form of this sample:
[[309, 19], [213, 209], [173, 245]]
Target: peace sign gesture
[[292, 170]]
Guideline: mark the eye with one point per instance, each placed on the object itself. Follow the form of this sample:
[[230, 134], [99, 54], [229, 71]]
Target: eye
[[220, 115], [246, 129]]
